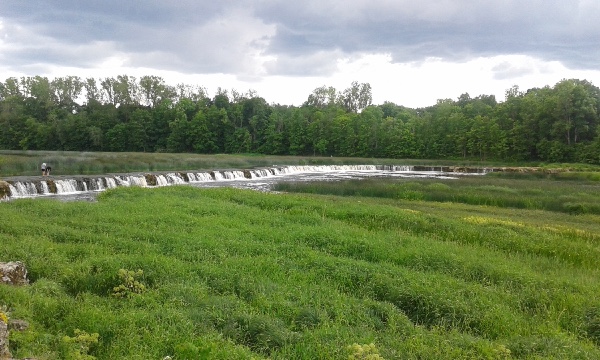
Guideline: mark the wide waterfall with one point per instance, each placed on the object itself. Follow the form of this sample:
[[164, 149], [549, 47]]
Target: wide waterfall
[[62, 185]]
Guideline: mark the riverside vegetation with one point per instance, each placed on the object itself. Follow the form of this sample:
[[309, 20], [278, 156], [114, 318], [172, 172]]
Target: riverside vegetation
[[14, 163], [474, 268], [558, 123]]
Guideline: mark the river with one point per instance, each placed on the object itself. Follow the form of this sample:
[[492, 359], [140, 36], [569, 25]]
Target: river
[[86, 188]]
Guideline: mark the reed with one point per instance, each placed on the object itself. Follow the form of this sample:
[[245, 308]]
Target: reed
[[27, 163]]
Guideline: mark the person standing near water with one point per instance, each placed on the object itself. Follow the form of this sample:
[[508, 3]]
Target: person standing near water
[[43, 169]]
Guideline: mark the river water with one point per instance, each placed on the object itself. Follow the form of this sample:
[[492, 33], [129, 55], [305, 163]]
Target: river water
[[81, 188]]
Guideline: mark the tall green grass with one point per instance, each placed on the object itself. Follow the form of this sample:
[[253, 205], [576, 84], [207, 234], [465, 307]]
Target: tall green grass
[[235, 274], [27, 163], [577, 195]]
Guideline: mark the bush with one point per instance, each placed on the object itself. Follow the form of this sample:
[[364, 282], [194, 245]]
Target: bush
[[363, 352], [77, 348], [129, 286]]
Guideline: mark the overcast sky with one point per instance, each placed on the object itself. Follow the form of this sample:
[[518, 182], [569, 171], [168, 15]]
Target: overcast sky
[[411, 52]]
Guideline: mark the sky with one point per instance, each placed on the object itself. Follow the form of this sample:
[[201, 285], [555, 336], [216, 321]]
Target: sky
[[412, 53]]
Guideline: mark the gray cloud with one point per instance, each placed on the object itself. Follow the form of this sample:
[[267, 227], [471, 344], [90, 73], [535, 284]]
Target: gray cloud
[[320, 63], [250, 38], [453, 30]]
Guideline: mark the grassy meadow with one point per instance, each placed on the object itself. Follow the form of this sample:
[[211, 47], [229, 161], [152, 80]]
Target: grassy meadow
[[27, 163], [568, 192], [477, 268]]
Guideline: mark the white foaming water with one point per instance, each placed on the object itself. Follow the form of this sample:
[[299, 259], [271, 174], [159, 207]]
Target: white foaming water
[[19, 189], [325, 168], [66, 186], [131, 180], [137, 180], [98, 185], [200, 177], [261, 173], [174, 179], [161, 180], [398, 168], [45, 189], [233, 175], [110, 182]]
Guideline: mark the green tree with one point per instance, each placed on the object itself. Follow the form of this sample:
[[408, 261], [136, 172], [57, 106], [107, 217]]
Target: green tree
[[67, 91], [576, 108], [485, 139], [356, 97], [369, 132], [273, 140], [240, 141], [322, 97], [204, 139], [297, 136]]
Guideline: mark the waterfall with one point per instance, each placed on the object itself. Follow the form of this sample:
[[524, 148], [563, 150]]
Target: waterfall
[[97, 184], [49, 186], [45, 188], [19, 189], [262, 173], [131, 180], [110, 183], [218, 176], [200, 177], [66, 186], [175, 179], [233, 175], [161, 180], [326, 168], [404, 168]]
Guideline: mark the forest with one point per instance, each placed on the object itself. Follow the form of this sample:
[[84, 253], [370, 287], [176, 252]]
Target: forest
[[549, 124]]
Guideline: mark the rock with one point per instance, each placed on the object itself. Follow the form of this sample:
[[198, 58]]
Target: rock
[[150, 179], [16, 325], [4, 190], [4, 353], [13, 273]]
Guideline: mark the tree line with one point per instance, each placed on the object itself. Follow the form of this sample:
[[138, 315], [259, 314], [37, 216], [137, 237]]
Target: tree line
[[553, 124]]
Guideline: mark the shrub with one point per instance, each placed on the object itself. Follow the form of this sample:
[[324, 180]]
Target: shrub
[[129, 285], [363, 352], [77, 348]]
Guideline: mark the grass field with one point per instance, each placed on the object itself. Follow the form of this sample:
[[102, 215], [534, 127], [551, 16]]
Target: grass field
[[27, 163], [568, 192], [419, 269]]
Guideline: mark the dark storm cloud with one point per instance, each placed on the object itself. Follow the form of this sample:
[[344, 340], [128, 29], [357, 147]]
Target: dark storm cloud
[[297, 38]]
